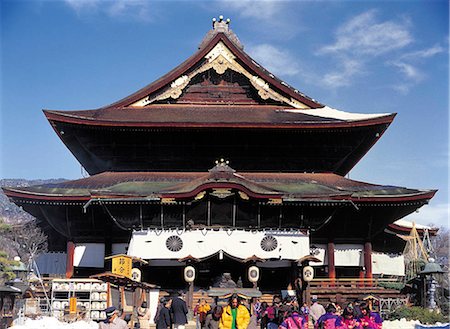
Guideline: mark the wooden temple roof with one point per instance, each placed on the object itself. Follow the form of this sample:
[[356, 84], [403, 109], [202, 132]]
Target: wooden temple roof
[[186, 96], [170, 124], [286, 187], [248, 116]]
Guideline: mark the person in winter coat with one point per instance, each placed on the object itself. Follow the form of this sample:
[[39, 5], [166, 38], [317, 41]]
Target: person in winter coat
[[179, 311], [112, 320], [202, 311], [293, 320], [213, 319], [234, 316], [370, 320], [316, 310], [329, 320], [143, 313], [164, 321], [348, 319]]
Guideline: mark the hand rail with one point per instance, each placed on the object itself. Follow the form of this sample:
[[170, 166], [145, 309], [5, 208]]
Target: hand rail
[[350, 282]]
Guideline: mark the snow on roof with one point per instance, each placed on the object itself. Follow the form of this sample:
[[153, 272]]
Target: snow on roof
[[408, 224], [329, 112]]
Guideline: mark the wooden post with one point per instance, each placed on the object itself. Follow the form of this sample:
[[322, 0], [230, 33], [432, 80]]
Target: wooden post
[[109, 294], [361, 278], [69, 261], [331, 266], [368, 262], [190, 295], [307, 290], [122, 299]]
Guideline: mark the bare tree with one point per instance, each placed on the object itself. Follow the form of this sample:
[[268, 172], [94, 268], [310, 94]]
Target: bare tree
[[28, 241], [441, 247]]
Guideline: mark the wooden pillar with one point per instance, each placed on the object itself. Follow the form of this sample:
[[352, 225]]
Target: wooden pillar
[[109, 294], [368, 261], [361, 277], [123, 301], [69, 261], [190, 298], [331, 266]]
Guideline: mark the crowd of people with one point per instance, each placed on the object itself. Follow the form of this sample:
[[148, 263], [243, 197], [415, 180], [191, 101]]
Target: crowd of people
[[244, 314], [287, 314]]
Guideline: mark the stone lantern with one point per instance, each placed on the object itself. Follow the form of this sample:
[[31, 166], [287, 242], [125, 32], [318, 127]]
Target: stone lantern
[[20, 270], [430, 273]]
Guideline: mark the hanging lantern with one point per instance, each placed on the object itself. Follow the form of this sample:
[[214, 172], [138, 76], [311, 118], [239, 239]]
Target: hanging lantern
[[253, 274], [189, 274], [136, 274], [308, 273]]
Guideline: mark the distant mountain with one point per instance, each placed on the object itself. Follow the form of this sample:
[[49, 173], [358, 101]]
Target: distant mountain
[[8, 210]]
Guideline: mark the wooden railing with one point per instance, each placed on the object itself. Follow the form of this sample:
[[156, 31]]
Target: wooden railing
[[349, 282]]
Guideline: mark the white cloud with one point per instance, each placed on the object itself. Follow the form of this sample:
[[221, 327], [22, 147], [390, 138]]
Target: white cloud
[[408, 67], [365, 35], [368, 40], [80, 5], [343, 77], [409, 71], [255, 9], [403, 88], [277, 61], [139, 9], [436, 214], [261, 16], [423, 53]]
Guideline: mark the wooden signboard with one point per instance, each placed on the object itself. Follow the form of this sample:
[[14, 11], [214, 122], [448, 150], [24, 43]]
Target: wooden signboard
[[122, 265], [73, 305]]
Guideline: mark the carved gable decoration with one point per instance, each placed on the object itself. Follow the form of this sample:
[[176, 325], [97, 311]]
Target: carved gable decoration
[[221, 61]]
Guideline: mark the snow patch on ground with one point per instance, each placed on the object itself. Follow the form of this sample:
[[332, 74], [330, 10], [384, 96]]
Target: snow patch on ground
[[400, 324], [53, 323]]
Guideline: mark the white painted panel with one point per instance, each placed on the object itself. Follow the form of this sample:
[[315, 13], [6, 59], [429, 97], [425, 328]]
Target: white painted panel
[[388, 264], [89, 255], [348, 255], [153, 297], [151, 244], [344, 255]]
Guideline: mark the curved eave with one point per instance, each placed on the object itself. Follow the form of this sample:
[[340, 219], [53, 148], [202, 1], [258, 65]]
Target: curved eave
[[31, 195], [198, 56], [423, 196], [221, 185], [61, 116]]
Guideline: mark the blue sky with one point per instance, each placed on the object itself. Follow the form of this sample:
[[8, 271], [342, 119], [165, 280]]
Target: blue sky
[[356, 56]]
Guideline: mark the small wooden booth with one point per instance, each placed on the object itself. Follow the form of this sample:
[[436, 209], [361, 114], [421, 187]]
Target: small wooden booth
[[8, 296], [125, 289]]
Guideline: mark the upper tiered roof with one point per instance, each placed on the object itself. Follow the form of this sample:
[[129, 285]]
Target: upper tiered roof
[[220, 86]]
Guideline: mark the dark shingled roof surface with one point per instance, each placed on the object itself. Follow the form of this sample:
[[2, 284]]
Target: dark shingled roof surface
[[198, 114], [286, 185]]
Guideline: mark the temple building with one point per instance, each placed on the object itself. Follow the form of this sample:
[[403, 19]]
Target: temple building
[[221, 165]]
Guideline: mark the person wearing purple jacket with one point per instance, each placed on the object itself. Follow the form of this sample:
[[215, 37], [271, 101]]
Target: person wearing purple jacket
[[329, 320], [368, 319], [293, 320]]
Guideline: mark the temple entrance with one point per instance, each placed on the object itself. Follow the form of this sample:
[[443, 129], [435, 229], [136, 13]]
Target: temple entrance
[[210, 273], [216, 272]]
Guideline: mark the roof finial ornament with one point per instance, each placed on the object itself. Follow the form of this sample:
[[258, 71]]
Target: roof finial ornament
[[221, 25], [222, 162], [222, 166]]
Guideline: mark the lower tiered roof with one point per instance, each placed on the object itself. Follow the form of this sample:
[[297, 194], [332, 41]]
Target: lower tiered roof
[[285, 187]]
